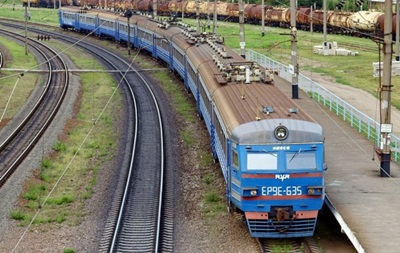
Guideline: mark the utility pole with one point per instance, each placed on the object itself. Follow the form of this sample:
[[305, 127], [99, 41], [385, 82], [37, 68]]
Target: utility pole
[[397, 32], [311, 19], [241, 22], [197, 17], [386, 126], [324, 23], [208, 14], [26, 14], [215, 18], [155, 5], [293, 33], [262, 18]]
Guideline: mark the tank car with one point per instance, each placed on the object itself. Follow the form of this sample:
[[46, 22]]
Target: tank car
[[190, 9], [221, 10], [340, 22], [271, 153], [163, 9], [381, 25], [145, 6], [276, 17], [364, 21], [49, 3], [303, 18], [232, 12]]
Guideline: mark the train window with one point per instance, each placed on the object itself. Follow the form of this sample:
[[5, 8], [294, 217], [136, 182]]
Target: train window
[[301, 160], [262, 161], [235, 159]]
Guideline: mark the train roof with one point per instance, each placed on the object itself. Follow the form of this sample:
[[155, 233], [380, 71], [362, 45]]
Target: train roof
[[264, 131], [243, 103]]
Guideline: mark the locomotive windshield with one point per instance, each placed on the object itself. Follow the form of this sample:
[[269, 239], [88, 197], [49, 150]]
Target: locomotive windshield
[[262, 161], [301, 160]]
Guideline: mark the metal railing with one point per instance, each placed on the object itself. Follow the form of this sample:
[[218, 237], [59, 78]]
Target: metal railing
[[357, 119]]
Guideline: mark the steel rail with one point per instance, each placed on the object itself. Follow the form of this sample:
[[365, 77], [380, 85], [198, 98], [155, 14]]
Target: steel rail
[[30, 118]]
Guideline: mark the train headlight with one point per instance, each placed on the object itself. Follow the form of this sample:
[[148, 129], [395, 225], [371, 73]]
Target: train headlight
[[250, 191], [314, 190], [281, 133]]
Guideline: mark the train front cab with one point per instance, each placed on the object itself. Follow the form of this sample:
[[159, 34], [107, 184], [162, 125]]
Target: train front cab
[[278, 186]]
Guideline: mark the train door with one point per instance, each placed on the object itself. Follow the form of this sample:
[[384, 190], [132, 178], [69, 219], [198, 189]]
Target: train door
[[234, 177]]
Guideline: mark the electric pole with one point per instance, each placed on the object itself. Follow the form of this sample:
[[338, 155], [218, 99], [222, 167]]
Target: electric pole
[[386, 126], [262, 18], [197, 17], [155, 8], [241, 22], [293, 33], [215, 18]]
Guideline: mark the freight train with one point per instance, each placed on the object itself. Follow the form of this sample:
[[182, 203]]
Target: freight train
[[361, 23], [270, 151]]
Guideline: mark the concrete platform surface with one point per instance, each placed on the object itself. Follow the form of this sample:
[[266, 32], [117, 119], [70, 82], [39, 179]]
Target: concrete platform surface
[[367, 205]]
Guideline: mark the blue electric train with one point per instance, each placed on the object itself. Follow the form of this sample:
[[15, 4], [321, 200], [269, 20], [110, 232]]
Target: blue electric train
[[270, 151]]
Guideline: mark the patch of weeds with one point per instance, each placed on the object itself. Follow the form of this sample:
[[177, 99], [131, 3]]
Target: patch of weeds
[[206, 159], [188, 138], [59, 146], [208, 179], [61, 217], [46, 163], [65, 199], [94, 145], [212, 197], [34, 192], [17, 215]]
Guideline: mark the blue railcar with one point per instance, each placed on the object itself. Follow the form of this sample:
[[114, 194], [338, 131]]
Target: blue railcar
[[271, 153]]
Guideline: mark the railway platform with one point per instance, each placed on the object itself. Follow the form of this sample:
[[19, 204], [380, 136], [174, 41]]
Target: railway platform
[[365, 204]]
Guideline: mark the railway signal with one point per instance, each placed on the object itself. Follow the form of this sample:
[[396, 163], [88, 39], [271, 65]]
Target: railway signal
[[340, 5], [128, 15], [359, 3]]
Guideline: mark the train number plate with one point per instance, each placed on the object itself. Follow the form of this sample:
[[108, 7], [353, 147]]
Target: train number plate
[[281, 190]]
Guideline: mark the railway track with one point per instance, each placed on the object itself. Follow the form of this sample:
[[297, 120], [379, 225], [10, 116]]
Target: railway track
[[140, 218], [303, 245], [17, 142]]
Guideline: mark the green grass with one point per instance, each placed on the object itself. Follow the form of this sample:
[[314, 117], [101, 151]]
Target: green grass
[[77, 166], [14, 88], [38, 15]]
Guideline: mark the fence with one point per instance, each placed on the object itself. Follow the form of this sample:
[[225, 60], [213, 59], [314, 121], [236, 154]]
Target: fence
[[357, 119]]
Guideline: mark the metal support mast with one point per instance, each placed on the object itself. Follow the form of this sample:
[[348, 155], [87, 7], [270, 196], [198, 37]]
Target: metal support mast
[[262, 18], [155, 5], [386, 126], [208, 14], [397, 32], [26, 14], [215, 17], [293, 33], [197, 17], [241, 22], [324, 23]]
